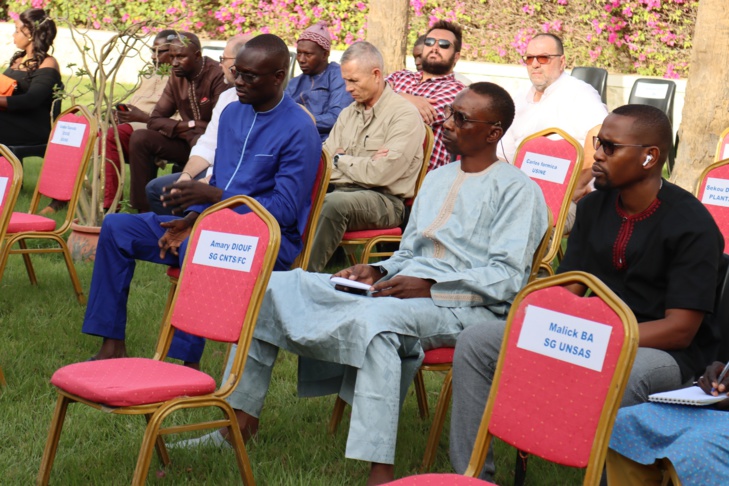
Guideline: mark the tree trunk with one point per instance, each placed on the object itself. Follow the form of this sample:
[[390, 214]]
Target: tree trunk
[[387, 29], [706, 109]]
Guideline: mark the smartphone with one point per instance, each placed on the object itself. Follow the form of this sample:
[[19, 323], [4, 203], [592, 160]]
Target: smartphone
[[122, 107], [352, 286]]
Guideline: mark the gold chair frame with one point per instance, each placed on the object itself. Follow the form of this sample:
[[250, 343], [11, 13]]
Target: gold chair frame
[[707, 170], [155, 413], [718, 155], [302, 261], [13, 190], [616, 389], [444, 397], [56, 234], [368, 245], [561, 218]]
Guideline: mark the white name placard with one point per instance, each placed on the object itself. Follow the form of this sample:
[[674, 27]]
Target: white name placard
[[552, 169], [3, 188], [651, 90], [716, 192], [725, 153], [69, 133], [565, 337], [225, 250]]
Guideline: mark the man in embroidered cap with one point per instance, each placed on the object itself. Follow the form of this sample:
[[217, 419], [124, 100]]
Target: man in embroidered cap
[[321, 88]]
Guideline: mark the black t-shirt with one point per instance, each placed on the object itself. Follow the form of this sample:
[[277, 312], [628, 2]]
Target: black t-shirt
[[666, 257]]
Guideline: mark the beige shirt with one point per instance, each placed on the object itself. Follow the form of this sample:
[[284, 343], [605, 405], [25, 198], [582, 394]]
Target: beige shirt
[[147, 95], [393, 123]]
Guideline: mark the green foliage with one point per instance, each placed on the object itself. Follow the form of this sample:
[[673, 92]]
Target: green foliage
[[649, 37]]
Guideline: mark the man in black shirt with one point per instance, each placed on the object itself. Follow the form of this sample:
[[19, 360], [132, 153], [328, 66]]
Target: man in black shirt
[[651, 242]]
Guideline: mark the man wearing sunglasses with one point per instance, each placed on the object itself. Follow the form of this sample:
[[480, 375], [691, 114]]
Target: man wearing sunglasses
[[199, 166], [652, 243], [192, 91], [435, 86], [555, 99], [134, 115]]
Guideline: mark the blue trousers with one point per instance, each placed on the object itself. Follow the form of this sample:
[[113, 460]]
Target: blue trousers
[[124, 239], [154, 191]]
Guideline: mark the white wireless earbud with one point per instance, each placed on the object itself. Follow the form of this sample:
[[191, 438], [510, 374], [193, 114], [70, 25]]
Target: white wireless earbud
[[648, 158]]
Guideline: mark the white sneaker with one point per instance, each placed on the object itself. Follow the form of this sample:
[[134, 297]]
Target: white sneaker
[[213, 439]]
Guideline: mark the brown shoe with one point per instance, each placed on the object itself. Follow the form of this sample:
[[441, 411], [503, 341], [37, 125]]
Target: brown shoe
[[47, 211], [52, 208]]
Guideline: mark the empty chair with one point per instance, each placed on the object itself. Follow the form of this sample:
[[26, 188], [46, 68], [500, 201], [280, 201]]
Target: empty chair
[[596, 77], [659, 93], [654, 92]]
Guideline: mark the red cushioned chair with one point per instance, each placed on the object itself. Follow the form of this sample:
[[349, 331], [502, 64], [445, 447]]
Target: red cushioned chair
[[368, 239], [155, 388], [11, 178], [716, 174], [558, 408], [302, 261], [558, 195], [61, 178], [722, 148], [441, 359]]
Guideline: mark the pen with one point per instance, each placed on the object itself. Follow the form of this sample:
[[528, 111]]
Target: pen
[[721, 377]]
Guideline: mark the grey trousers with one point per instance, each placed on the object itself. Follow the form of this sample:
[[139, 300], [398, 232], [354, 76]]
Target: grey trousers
[[351, 209], [474, 364], [375, 407]]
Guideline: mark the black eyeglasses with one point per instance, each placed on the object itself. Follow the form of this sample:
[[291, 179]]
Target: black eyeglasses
[[442, 43], [459, 118], [543, 59], [248, 78], [609, 147], [158, 52], [223, 59]]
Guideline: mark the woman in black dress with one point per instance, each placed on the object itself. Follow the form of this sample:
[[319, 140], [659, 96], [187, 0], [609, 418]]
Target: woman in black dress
[[26, 115]]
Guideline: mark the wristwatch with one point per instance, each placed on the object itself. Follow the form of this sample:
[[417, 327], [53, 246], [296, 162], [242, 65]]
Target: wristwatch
[[335, 161], [191, 124]]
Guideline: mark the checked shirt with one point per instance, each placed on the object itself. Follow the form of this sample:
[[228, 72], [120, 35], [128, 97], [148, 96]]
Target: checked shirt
[[443, 90]]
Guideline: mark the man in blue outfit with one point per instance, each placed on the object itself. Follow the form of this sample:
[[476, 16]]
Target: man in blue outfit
[[321, 88], [268, 149]]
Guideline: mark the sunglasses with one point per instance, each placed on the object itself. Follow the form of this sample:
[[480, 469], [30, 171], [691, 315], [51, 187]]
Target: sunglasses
[[543, 59], [459, 118], [157, 51], [609, 147], [442, 43], [248, 78]]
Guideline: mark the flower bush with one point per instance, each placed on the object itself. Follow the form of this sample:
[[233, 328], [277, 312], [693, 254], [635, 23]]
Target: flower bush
[[648, 37]]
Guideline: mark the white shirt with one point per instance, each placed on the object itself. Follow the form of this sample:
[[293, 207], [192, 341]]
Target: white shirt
[[568, 104], [208, 141]]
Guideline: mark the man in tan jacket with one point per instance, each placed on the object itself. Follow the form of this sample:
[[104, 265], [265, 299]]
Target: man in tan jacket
[[376, 146]]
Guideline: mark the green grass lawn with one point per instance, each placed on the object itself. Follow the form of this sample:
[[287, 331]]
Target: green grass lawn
[[40, 332]]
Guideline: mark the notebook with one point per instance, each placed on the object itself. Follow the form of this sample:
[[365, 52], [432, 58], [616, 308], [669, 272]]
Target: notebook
[[692, 395]]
